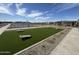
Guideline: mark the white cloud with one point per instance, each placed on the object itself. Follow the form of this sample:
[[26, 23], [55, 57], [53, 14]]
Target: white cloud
[[6, 4], [9, 4], [4, 8], [67, 6], [21, 12], [35, 14], [42, 18], [18, 5]]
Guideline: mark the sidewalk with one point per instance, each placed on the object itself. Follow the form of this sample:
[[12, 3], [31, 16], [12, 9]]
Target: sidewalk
[[2, 29], [69, 45]]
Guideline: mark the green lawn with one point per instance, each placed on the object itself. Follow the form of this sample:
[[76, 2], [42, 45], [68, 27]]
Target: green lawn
[[10, 41]]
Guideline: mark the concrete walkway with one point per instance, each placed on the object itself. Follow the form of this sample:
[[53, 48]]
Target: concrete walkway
[[69, 45], [2, 29]]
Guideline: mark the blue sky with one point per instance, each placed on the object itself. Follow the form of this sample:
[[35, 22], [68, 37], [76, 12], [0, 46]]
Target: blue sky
[[38, 12]]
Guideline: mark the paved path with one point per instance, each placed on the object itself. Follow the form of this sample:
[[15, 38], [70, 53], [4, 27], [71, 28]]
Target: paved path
[[35, 27], [2, 29], [69, 45], [27, 28]]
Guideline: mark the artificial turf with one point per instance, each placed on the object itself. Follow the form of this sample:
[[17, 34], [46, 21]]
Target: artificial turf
[[10, 42]]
